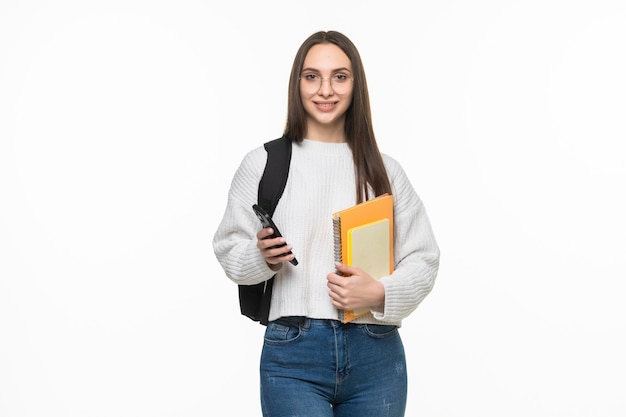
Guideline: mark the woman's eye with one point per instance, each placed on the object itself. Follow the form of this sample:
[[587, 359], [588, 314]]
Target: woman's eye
[[341, 77], [310, 77]]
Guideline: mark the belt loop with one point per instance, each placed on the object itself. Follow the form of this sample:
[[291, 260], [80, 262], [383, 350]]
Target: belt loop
[[306, 323]]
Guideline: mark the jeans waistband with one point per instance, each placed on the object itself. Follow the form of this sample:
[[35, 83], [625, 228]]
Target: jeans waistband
[[307, 322]]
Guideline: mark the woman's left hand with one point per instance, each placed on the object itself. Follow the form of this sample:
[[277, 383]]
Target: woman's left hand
[[355, 289]]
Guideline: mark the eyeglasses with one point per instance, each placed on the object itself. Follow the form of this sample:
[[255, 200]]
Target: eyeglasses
[[340, 83]]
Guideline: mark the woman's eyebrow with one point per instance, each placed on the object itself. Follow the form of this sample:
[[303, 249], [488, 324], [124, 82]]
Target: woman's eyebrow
[[335, 70]]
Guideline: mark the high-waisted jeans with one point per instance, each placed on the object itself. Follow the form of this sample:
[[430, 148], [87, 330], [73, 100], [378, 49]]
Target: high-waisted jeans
[[324, 368]]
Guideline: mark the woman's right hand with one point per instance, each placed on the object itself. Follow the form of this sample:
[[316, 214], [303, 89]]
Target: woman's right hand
[[274, 256]]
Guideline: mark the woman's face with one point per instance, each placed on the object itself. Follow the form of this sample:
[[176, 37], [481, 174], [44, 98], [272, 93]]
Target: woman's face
[[326, 85]]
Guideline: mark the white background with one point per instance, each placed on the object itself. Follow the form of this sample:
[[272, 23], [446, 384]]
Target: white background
[[122, 122]]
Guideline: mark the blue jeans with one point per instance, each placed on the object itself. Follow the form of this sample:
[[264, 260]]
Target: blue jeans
[[319, 368]]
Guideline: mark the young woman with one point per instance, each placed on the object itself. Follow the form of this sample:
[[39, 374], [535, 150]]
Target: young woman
[[312, 364]]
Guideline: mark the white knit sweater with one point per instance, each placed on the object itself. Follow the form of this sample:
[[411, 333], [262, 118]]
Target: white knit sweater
[[322, 181]]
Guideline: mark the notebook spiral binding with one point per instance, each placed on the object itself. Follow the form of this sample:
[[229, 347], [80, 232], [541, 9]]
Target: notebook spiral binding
[[337, 250], [337, 239]]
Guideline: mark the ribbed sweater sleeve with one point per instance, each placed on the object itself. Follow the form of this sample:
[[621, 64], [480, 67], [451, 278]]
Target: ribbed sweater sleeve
[[416, 253], [234, 242]]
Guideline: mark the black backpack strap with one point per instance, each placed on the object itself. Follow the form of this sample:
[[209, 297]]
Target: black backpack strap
[[254, 300], [275, 175]]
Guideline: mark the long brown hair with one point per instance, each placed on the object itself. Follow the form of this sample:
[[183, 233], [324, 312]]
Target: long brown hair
[[368, 162]]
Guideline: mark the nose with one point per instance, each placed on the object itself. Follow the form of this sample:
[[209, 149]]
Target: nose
[[326, 89]]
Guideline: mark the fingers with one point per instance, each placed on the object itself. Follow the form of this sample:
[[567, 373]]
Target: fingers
[[346, 270], [274, 250], [264, 233], [354, 289]]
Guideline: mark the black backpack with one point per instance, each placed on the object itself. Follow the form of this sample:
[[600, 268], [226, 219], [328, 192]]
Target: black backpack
[[254, 300]]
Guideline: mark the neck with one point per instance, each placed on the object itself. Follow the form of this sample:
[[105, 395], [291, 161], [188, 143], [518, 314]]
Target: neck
[[325, 133]]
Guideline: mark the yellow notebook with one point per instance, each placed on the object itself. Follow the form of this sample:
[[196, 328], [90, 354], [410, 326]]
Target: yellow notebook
[[364, 238]]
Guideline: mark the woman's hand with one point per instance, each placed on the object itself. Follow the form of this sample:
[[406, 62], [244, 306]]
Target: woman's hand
[[355, 289], [274, 256]]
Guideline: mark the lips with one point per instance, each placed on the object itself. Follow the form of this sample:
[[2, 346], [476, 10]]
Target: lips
[[325, 106]]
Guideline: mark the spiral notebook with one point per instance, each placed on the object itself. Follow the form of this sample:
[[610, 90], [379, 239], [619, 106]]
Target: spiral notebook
[[363, 237]]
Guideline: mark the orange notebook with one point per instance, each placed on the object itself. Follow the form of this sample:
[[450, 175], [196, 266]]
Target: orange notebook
[[363, 237]]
